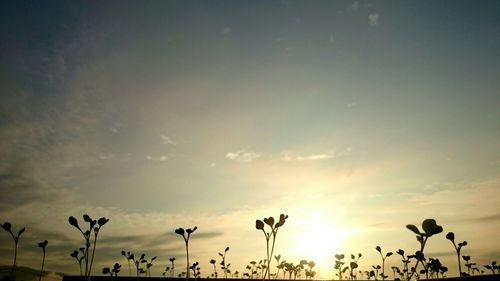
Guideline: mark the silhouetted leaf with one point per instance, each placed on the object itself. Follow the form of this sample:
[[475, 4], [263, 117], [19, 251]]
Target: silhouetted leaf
[[388, 254], [180, 231], [430, 227], [227, 249], [102, 221], [21, 231], [269, 221], [450, 236], [259, 224], [352, 256], [43, 244], [87, 218], [378, 249], [413, 228], [105, 270], [73, 221], [7, 226], [401, 252]]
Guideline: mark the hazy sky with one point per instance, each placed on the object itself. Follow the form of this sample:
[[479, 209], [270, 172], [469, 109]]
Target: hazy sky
[[355, 118]]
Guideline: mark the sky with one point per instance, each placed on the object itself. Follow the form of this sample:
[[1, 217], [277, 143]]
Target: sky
[[355, 118]]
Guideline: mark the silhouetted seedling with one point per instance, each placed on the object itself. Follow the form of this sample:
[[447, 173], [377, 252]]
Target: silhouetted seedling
[[388, 254], [185, 235], [149, 265], [259, 225], [451, 236], [214, 274], [224, 266], [339, 265], [94, 227], [493, 267], [128, 256], [406, 261], [196, 270], [309, 271], [76, 255], [470, 266], [436, 267], [353, 265], [430, 228], [42, 245], [7, 226], [138, 262], [172, 260], [112, 271]]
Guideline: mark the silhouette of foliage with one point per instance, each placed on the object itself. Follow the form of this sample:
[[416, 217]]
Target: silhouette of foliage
[[274, 227], [7, 226], [388, 254], [94, 227], [186, 234], [430, 228], [42, 245], [451, 236], [129, 257]]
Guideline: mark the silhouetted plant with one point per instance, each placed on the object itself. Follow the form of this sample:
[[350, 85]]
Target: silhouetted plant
[[138, 262], [149, 265], [436, 267], [172, 260], [406, 261], [451, 236], [185, 235], [493, 266], [128, 256], [7, 226], [223, 265], [214, 274], [470, 265], [388, 254], [116, 268], [75, 255], [274, 231], [94, 227], [338, 265], [279, 265], [376, 269], [430, 228], [353, 265], [196, 270], [309, 271], [42, 245]]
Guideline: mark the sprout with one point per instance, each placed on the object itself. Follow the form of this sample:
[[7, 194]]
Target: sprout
[[259, 225], [182, 233]]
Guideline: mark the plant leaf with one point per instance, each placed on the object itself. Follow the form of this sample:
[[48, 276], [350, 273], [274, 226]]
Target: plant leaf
[[259, 224], [73, 221], [413, 228]]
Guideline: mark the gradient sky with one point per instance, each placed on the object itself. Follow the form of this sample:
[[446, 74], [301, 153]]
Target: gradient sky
[[355, 118]]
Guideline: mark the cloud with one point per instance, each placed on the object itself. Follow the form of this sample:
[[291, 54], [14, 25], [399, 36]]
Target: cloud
[[243, 156], [160, 158], [225, 30], [311, 157], [373, 19], [167, 140]]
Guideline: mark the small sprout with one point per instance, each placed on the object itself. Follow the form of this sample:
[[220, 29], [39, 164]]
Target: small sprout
[[42, 245], [7, 226], [451, 236], [388, 254]]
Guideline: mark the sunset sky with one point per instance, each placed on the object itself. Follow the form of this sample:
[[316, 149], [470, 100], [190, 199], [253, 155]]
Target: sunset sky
[[355, 118]]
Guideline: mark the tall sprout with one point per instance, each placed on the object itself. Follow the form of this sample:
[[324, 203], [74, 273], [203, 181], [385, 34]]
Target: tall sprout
[[388, 254], [270, 234], [451, 236], [7, 226], [94, 228], [430, 228], [42, 245], [185, 235]]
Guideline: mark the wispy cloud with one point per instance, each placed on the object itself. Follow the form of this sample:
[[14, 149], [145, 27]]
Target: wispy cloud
[[243, 156], [373, 19], [168, 140], [311, 157], [160, 158]]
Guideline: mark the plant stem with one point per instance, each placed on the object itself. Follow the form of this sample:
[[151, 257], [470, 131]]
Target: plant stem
[[43, 262], [92, 259], [187, 258]]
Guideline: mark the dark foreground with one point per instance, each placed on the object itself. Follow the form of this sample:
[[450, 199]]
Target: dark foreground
[[107, 278]]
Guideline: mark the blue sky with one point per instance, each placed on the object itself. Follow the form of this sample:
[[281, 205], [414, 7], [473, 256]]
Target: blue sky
[[354, 117]]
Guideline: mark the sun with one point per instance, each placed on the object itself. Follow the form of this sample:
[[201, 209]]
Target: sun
[[318, 242]]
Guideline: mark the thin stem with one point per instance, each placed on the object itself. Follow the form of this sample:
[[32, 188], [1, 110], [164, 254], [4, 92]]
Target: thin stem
[[93, 252], [187, 257], [15, 253], [43, 261]]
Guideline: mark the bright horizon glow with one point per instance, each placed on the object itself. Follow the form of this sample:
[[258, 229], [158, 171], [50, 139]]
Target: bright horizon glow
[[355, 118]]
